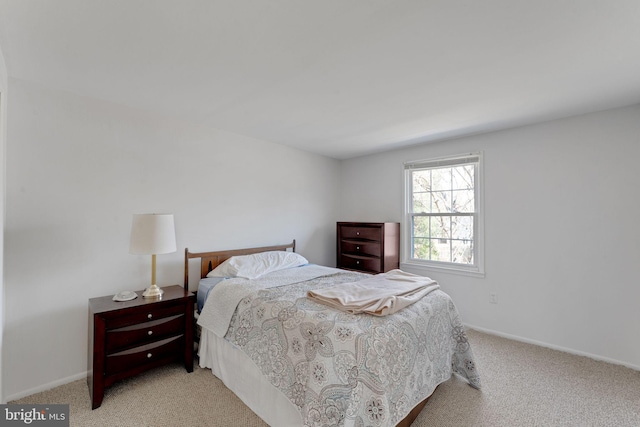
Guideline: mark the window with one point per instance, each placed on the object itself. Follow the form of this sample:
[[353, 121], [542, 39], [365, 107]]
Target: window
[[443, 213]]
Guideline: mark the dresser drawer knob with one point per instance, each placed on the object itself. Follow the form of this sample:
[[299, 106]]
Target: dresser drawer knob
[[358, 247], [357, 262], [357, 233], [149, 316], [149, 355], [150, 333]]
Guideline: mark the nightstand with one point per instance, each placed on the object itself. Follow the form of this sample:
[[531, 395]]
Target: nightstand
[[129, 337]]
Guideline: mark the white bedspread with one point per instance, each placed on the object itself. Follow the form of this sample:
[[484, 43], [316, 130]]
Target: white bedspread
[[380, 295]]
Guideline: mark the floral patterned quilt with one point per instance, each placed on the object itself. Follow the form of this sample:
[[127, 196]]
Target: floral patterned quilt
[[341, 369]]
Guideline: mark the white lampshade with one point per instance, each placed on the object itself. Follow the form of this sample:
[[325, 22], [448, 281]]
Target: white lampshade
[[152, 234]]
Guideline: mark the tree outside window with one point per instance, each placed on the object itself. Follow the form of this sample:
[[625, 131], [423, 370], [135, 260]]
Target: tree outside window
[[442, 210]]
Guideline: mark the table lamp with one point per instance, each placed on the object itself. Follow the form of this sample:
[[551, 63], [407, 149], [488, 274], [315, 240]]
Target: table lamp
[[152, 234]]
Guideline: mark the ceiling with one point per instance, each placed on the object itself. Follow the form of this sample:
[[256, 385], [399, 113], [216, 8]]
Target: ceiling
[[342, 78]]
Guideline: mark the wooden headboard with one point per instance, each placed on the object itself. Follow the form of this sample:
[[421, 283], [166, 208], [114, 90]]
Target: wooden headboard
[[210, 260]]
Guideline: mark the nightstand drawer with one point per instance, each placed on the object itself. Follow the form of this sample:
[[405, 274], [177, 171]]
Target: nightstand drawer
[[366, 233], [363, 248], [360, 263], [138, 356], [134, 335], [138, 316]]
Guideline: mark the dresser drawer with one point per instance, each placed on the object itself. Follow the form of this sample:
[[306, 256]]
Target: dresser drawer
[[359, 232], [135, 335], [146, 354], [361, 248], [360, 263], [142, 315]]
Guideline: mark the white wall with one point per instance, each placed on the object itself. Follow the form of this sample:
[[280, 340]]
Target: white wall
[[3, 128], [562, 240], [79, 168], [561, 225]]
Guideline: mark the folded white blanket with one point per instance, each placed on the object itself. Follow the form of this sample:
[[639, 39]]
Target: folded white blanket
[[380, 295]]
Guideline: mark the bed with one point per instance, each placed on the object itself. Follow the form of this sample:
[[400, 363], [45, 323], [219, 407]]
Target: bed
[[297, 362]]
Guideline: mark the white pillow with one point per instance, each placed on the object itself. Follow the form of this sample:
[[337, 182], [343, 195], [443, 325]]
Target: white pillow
[[257, 265]]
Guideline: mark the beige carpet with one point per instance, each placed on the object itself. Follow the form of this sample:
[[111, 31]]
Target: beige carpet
[[523, 385]]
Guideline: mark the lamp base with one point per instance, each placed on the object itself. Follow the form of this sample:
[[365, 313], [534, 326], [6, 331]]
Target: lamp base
[[153, 291]]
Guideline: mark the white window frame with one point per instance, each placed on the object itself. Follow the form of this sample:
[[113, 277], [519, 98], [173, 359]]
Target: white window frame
[[476, 269]]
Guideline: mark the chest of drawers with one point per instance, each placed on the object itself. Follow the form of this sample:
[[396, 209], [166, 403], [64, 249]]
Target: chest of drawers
[[372, 247], [129, 337]]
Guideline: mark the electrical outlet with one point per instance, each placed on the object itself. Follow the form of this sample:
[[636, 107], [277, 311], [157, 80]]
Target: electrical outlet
[[493, 298]]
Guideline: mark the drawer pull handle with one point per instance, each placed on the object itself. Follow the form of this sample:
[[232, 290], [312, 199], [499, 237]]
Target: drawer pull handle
[[150, 333], [149, 355], [357, 233], [358, 247], [357, 262], [149, 316]]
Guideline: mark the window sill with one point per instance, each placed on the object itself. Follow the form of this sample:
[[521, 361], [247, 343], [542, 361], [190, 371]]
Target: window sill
[[419, 268]]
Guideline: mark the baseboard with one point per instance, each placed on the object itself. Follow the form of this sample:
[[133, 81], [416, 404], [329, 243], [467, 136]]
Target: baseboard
[[553, 347], [48, 386], [67, 380]]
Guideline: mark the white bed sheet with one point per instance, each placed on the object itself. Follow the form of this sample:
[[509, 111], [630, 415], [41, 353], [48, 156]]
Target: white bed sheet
[[238, 372]]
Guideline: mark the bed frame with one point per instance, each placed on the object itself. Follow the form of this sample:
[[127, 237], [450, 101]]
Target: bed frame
[[210, 260]]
